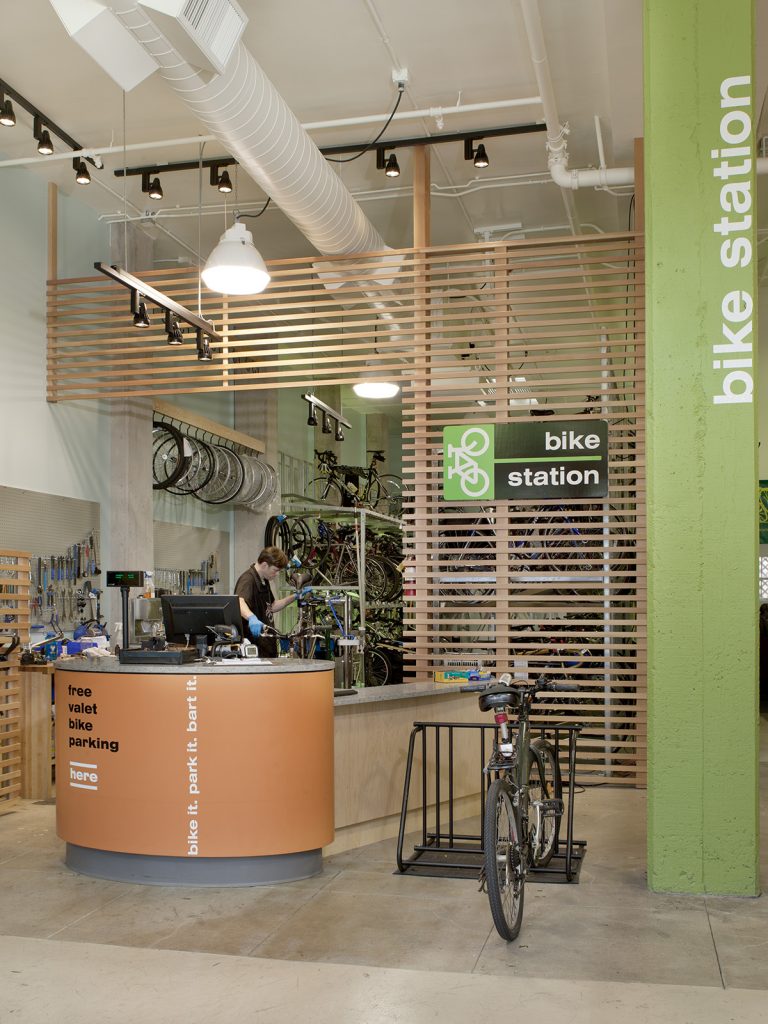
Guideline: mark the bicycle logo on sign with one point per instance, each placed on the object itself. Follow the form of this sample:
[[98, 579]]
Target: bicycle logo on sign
[[473, 479]]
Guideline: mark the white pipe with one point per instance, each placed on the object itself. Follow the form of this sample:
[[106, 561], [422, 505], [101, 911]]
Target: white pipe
[[557, 148], [244, 111], [435, 112]]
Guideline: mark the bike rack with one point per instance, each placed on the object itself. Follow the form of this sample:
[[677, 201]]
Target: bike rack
[[452, 854]]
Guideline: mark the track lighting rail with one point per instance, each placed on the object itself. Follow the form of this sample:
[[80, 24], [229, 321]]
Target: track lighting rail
[[138, 288], [41, 122]]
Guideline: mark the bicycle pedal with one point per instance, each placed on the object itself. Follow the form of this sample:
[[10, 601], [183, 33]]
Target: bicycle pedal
[[550, 808]]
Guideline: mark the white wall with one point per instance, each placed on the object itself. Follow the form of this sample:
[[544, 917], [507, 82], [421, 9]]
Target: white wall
[[58, 449]]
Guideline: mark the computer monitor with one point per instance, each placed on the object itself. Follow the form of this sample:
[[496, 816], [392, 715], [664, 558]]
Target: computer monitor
[[192, 615]]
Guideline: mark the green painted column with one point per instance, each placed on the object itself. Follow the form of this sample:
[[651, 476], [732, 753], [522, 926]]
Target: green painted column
[[702, 446]]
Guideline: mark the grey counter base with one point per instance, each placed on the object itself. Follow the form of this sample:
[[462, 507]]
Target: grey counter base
[[214, 872]]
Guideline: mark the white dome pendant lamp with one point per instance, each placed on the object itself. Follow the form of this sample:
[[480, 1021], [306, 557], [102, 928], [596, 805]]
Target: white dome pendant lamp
[[372, 384], [235, 266]]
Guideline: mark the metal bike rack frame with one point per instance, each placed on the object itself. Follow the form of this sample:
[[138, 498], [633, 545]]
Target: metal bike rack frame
[[448, 853]]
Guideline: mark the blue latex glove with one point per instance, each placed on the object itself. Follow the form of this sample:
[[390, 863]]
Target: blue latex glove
[[255, 626], [306, 591]]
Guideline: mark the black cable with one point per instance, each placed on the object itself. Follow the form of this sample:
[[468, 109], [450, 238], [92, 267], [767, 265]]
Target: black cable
[[238, 214], [370, 145], [631, 211]]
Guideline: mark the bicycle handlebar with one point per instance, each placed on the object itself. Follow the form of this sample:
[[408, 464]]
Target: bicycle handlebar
[[505, 680]]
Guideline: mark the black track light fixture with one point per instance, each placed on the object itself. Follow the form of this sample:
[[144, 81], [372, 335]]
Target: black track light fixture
[[139, 310], [390, 167], [7, 113], [174, 313], [43, 136], [330, 416], [175, 337], [204, 353], [82, 177], [221, 181], [151, 186], [478, 156]]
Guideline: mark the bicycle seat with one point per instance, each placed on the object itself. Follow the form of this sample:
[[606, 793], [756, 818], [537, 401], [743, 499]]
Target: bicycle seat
[[499, 697], [378, 455]]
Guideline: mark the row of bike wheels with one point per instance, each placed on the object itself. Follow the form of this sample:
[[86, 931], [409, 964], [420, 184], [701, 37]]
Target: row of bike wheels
[[212, 473]]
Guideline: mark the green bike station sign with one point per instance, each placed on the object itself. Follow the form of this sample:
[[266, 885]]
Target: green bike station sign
[[538, 459]]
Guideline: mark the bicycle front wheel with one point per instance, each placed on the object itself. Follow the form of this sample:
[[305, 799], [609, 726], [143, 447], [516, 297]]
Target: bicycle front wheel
[[504, 867], [324, 489], [544, 785]]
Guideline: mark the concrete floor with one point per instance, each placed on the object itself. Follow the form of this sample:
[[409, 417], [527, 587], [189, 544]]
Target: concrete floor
[[361, 944]]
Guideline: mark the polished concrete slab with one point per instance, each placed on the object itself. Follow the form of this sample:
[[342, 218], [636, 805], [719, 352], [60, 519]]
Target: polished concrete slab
[[362, 943]]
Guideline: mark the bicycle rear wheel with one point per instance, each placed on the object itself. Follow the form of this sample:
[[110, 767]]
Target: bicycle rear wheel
[[504, 867], [544, 783], [324, 489]]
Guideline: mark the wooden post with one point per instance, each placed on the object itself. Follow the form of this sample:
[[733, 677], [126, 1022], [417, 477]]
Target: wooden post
[[421, 209]]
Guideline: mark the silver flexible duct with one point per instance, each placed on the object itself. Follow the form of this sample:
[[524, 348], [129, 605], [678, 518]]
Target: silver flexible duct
[[243, 109]]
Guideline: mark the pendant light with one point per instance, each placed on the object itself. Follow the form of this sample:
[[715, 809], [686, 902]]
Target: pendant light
[[372, 384], [235, 266]]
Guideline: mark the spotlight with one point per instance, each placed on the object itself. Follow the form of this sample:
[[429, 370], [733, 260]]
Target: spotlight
[[339, 435], [44, 144], [326, 423], [175, 337], [7, 115], [220, 181], [82, 177], [478, 156], [312, 417], [139, 310], [204, 354], [152, 187], [391, 167]]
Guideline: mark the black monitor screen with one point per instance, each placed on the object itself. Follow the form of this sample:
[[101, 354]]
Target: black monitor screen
[[192, 615]]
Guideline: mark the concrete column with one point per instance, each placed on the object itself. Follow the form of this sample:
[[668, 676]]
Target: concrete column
[[255, 414], [131, 516], [702, 443]]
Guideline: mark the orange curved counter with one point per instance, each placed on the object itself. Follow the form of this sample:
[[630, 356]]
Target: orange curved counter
[[195, 774]]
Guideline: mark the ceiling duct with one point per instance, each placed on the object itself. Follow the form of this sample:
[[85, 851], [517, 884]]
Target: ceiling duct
[[245, 112]]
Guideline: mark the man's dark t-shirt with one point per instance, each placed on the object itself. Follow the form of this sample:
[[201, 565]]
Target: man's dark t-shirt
[[258, 595]]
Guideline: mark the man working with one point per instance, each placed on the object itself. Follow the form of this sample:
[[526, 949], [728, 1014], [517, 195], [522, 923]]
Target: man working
[[257, 602]]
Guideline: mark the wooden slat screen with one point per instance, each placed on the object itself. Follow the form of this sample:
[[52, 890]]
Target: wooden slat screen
[[478, 333]]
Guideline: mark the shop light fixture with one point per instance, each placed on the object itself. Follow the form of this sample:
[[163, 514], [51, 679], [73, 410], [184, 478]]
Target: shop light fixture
[[330, 415], [236, 267], [478, 156], [44, 144], [220, 181], [175, 313], [7, 113], [82, 174], [151, 186], [172, 329], [42, 130]]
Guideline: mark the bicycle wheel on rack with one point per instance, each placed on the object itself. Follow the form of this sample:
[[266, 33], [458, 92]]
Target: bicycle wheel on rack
[[168, 459], [389, 500], [200, 467], [375, 578], [227, 477], [544, 784], [504, 867], [326, 490]]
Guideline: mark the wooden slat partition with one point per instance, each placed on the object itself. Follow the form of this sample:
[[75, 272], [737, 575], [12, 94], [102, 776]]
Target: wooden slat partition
[[487, 332], [14, 618]]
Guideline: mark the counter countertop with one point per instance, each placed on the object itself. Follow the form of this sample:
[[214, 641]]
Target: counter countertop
[[400, 691], [229, 666]]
